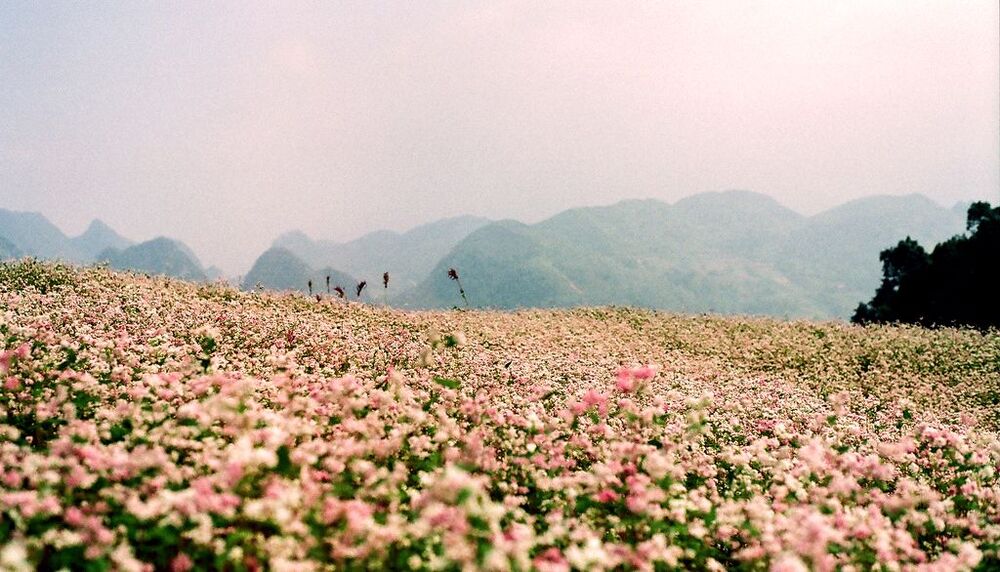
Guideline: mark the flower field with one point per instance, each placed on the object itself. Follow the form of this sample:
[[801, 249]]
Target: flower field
[[152, 424]]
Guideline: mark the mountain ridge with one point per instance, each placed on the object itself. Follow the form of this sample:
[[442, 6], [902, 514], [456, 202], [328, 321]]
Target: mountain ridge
[[408, 255], [730, 252], [278, 268], [34, 235], [99, 237], [159, 256]]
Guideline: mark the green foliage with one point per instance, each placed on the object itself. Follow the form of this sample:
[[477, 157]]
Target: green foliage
[[31, 273], [208, 346], [285, 467], [955, 285], [445, 382]]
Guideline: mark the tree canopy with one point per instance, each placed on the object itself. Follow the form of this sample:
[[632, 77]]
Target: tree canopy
[[954, 285]]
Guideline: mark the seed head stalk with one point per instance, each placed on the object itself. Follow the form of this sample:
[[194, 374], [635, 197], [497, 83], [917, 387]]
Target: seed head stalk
[[385, 288], [453, 274]]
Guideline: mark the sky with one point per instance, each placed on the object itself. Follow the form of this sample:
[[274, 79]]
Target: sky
[[225, 124]]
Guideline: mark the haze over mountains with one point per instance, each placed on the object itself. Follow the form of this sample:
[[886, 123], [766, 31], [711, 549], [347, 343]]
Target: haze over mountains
[[409, 256], [158, 256], [725, 252], [729, 252], [99, 238], [280, 269], [31, 234], [9, 250], [34, 235]]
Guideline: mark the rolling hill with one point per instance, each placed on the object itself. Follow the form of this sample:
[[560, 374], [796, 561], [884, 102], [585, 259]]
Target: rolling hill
[[409, 256], [280, 269], [733, 252], [34, 235], [31, 234], [835, 256], [726, 252], [160, 256], [583, 439]]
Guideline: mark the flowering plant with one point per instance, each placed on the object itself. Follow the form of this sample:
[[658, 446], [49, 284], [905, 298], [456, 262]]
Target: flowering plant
[[152, 424]]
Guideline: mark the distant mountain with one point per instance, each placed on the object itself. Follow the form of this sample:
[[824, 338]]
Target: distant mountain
[[31, 234], [213, 273], [162, 256], [280, 269], [835, 256], [97, 238], [961, 207], [725, 252], [9, 250], [729, 252], [408, 256], [34, 235]]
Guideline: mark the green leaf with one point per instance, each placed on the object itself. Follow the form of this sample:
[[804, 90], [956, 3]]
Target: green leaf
[[449, 383], [285, 466]]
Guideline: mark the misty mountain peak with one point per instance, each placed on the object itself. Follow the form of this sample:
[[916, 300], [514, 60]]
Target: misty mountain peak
[[98, 227], [292, 237], [735, 200], [97, 238]]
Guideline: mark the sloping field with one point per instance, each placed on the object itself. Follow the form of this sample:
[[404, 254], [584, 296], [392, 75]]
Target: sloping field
[[148, 423]]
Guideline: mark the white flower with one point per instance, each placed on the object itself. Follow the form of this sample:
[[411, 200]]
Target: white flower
[[657, 465], [592, 553], [14, 557]]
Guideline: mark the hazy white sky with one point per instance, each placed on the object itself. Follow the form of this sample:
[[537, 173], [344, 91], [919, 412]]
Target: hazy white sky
[[225, 124]]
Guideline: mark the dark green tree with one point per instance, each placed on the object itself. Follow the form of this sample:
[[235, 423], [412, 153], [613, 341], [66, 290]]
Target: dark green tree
[[955, 285]]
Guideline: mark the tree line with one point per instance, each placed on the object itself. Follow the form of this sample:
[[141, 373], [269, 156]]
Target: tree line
[[956, 284]]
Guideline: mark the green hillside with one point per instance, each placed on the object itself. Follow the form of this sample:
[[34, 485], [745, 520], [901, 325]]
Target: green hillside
[[9, 250], [280, 269], [729, 252], [160, 256]]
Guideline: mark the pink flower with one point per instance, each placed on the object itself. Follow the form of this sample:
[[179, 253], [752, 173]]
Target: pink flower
[[606, 495], [181, 563], [644, 372], [625, 382], [629, 380], [595, 399], [551, 560], [233, 472], [74, 516], [12, 479], [788, 563], [7, 357]]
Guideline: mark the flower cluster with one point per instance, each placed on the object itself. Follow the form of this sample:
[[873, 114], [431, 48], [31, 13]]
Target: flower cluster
[[151, 424]]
